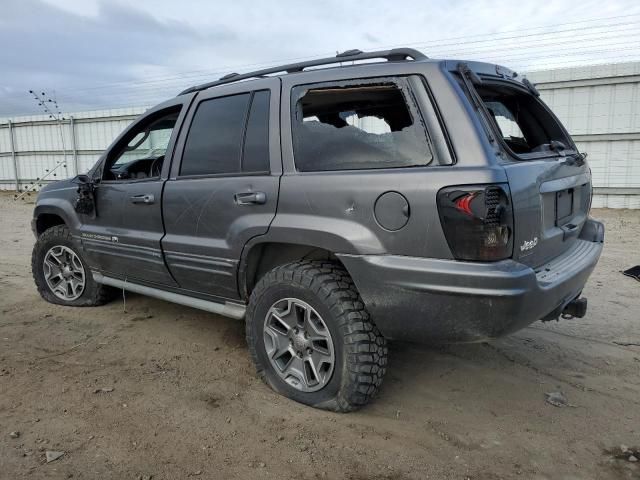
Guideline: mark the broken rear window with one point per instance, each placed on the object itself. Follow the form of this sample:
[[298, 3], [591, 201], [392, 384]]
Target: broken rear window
[[357, 127], [523, 122]]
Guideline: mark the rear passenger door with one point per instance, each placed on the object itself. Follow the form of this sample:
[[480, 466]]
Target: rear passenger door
[[223, 188]]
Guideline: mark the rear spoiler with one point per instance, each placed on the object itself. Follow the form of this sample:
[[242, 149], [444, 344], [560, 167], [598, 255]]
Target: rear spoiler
[[474, 75]]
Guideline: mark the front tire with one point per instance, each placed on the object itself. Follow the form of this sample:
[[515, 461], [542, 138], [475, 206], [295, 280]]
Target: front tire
[[311, 337], [61, 274]]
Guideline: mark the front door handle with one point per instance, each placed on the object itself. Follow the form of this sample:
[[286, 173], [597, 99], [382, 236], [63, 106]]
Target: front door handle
[[250, 198], [146, 198]]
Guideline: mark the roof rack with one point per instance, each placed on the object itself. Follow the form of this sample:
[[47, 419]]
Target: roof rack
[[394, 55]]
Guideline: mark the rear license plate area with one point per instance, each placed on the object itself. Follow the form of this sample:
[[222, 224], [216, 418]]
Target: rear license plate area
[[564, 206]]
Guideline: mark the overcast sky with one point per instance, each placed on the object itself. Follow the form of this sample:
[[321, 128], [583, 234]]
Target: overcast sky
[[97, 54]]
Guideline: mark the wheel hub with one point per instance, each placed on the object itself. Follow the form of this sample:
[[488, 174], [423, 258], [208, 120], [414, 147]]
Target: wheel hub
[[300, 342]]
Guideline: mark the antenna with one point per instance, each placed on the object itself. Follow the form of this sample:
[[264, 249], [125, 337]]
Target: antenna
[[50, 107]]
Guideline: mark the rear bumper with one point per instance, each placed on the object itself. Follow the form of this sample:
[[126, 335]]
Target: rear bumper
[[431, 300]]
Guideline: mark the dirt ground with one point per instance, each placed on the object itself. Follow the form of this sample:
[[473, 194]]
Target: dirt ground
[[186, 401]]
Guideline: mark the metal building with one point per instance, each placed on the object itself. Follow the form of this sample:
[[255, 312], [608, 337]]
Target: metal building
[[600, 106]]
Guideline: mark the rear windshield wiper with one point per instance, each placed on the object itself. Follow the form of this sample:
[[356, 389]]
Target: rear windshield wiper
[[575, 158], [558, 147]]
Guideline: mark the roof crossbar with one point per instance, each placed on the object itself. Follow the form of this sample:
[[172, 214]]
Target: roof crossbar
[[393, 55]]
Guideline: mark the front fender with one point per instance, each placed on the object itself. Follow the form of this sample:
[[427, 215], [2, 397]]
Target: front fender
[[59, 202]]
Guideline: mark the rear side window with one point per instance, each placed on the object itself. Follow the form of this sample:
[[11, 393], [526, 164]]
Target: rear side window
[[214, 142], [255, 157], [357, 127], [229, 135]]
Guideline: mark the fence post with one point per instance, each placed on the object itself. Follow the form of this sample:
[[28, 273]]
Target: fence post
[[74, 146], [64, 146], [13, 155]]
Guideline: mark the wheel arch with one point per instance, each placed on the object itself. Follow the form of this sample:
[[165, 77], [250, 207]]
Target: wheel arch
[[258, 258], [46, 216]]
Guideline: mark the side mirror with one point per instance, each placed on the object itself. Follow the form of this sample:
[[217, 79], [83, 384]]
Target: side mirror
[[85, 200], [82, 179]]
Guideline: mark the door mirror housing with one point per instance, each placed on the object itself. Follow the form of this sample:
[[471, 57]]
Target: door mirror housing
[[82, 179], [85, 202]]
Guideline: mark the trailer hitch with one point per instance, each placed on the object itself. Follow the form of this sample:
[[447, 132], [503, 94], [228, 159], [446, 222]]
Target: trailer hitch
[[576, 308]]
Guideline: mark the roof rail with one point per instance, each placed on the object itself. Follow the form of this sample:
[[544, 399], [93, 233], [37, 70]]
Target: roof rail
[[394, 55]]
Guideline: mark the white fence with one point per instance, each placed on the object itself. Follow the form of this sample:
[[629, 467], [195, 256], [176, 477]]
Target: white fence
[[29, 146], [600, 106]]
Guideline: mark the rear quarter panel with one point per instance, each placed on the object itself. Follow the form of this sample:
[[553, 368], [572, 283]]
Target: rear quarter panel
[[335, 210]]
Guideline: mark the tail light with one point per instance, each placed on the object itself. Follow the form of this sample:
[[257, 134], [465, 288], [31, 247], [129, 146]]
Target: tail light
[[477, 221]]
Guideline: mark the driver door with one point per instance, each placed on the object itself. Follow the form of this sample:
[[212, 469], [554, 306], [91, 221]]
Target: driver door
[[122, 238]]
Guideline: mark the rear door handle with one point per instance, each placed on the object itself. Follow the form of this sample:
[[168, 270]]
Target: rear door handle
[[250, 198], [146, 198]]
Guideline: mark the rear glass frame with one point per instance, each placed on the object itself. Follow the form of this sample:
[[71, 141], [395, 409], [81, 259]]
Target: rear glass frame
[[489, 81], [401, 83]]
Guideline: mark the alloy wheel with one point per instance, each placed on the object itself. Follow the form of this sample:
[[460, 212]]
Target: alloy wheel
[[299, 344], [64, 273]]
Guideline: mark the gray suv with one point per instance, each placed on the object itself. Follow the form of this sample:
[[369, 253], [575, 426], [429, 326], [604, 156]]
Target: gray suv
[[334, 205]]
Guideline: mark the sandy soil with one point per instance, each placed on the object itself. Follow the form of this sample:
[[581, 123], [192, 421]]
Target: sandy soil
[[186, 401]]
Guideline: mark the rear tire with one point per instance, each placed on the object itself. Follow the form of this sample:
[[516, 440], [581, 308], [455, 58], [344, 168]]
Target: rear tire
[[62, 275], [310, 314]]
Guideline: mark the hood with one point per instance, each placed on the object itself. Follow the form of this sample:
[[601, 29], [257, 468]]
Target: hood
[[57, 185]]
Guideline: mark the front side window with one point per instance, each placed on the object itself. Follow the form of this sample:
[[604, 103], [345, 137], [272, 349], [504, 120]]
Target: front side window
[[357, 127], [143, 150]]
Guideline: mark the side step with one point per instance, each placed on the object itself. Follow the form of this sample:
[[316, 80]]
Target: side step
[[227, 309]]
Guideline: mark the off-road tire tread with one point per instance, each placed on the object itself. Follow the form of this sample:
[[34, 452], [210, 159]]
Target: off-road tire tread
[[99, 295], [364, 346]]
